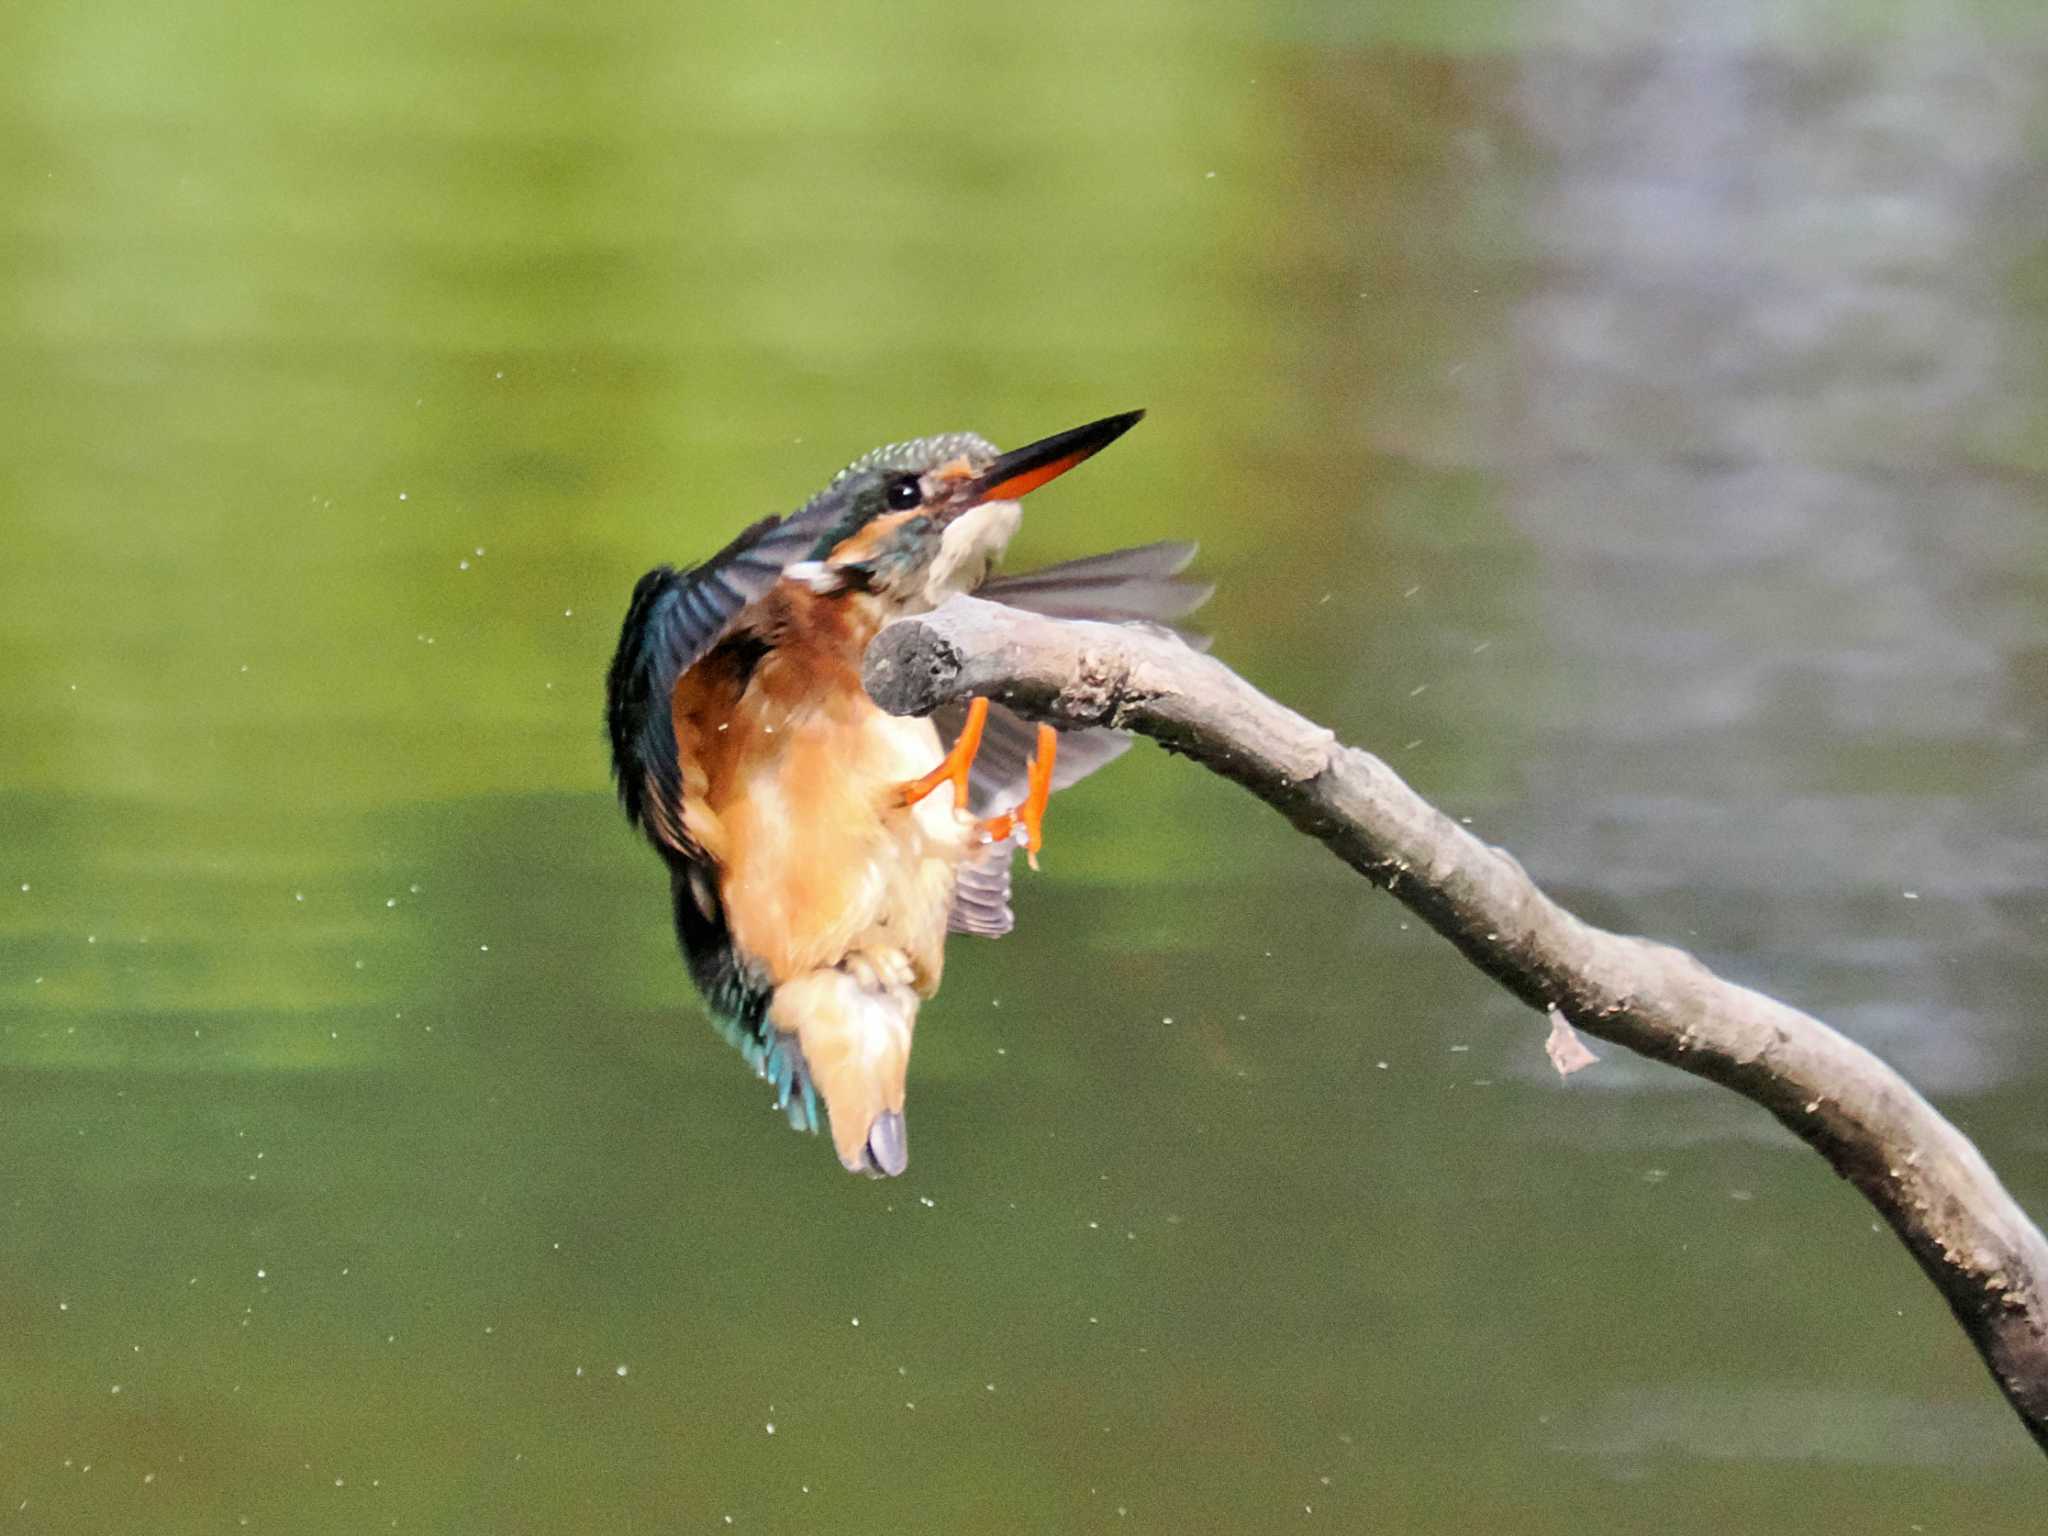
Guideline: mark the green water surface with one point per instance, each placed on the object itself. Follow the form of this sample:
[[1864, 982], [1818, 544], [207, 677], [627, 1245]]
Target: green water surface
[[1628, 421]]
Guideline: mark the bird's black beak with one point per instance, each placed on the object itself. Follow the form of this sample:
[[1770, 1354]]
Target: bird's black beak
[[1024, 470]]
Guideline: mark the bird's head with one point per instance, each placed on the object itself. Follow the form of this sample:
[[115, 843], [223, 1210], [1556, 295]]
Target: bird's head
[[916, 522]]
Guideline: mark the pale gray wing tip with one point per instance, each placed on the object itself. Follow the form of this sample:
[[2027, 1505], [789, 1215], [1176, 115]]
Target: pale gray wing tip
[[981, 894]]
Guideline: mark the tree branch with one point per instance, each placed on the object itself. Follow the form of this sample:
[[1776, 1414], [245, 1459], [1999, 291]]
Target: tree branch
[[1989, 1262]]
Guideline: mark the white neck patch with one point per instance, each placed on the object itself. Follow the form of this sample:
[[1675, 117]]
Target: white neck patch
[[970, 547]]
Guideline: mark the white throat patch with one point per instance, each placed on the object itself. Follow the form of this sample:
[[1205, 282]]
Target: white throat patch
[[970, 547]]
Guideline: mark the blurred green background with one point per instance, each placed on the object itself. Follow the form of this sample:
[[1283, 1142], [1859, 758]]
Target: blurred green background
[[1628, 420]]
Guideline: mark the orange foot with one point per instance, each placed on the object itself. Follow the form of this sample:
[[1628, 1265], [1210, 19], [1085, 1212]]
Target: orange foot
[[954, 767], [1031, 814]]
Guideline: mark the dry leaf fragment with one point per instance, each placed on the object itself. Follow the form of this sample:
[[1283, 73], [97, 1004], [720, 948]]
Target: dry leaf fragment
[[1566, 1050]]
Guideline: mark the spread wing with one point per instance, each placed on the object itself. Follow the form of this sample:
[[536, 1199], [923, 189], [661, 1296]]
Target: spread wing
[[1143, 584], [1125, 584], [676, 619]]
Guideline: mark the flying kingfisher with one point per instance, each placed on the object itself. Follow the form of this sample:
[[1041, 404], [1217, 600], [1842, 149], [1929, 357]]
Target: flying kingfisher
[[819, 851]]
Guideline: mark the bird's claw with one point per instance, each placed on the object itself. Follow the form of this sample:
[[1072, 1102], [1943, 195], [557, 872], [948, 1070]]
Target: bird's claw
[[1026, 824], [955, 766]]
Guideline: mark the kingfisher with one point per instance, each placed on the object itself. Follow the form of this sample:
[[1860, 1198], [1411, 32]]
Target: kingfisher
[[820, 851]]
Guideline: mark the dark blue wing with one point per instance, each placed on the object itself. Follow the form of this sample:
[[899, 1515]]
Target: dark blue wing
[[676, 619]]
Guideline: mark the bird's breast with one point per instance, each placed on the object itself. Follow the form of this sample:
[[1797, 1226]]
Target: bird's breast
[[797, 803]]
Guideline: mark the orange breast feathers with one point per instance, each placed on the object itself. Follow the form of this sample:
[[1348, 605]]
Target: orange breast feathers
[[790, 777]]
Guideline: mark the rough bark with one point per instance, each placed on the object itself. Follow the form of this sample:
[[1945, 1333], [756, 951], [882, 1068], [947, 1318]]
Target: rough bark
[[1983, 1254]]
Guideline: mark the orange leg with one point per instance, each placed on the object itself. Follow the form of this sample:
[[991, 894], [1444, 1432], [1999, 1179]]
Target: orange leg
[[1031, 814], [953, 770]]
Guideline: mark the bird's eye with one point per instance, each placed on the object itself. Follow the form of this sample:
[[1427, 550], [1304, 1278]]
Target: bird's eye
[[904, 493]]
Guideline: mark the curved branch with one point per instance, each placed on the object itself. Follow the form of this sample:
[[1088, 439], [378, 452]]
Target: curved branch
[[1989, 1261]]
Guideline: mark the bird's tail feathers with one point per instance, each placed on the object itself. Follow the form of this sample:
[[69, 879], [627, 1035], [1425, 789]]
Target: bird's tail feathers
[[850, 1029]]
